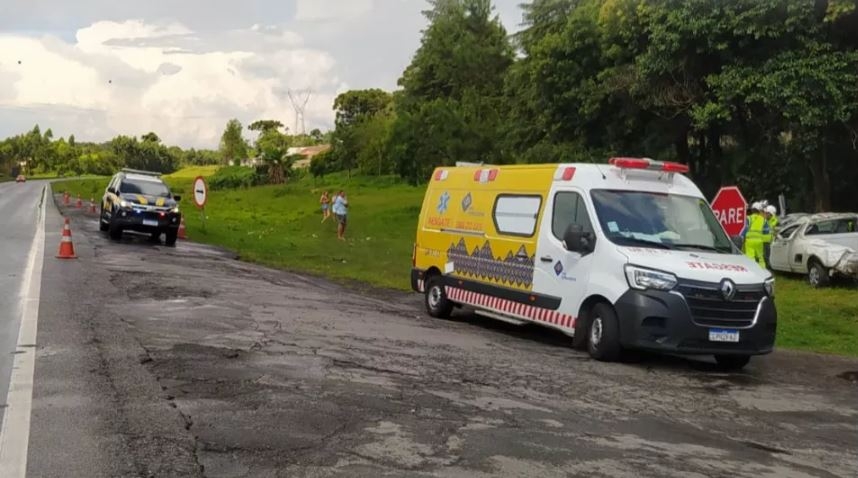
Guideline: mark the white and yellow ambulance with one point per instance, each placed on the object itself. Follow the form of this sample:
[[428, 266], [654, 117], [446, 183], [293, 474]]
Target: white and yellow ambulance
[[623, 255]]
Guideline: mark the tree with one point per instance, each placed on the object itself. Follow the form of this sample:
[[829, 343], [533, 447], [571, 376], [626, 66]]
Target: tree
[[150, 137], [355, 106], [747, 91], [265, 125], [233, 147], [272, 147], [451, 106], [362, 122]]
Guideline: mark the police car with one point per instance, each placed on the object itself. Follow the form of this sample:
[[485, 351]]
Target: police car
[[140, 201]]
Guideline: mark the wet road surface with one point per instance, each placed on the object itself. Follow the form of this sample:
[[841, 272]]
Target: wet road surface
[[18, 213], [157, 361]]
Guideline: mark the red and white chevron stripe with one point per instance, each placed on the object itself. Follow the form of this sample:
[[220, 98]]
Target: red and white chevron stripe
[[508, 307]]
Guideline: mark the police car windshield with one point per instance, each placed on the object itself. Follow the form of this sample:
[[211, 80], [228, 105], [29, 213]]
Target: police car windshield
[[645, 219], [146, 188]]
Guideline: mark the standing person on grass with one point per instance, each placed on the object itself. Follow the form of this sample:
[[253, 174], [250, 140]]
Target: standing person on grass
[[325, 201], [340, 208]]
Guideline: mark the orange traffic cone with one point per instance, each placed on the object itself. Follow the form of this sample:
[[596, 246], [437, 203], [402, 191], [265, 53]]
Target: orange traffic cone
[[66, 246], [66, 198], [182, 233], [92, 205], [79, 202]]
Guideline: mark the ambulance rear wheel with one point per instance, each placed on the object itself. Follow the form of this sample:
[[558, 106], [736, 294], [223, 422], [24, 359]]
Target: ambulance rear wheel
[[437, 304], [603, 334]]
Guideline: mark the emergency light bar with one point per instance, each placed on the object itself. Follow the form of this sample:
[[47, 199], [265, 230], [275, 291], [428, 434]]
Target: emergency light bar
[[140, 172], [649, 164]]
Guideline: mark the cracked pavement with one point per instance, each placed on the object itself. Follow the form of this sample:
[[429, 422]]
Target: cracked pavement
[[157, 361]]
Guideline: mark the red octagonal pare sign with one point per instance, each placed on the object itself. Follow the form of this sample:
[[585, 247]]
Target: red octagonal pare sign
[[729, 206]]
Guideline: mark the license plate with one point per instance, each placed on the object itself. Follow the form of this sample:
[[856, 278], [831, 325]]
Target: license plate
[[150, 222], [723, 335]]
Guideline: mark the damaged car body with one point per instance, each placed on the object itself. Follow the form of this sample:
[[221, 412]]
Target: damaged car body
[[819, 245]]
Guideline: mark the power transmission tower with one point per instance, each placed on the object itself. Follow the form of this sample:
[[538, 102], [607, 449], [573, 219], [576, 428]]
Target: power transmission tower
[[299, 100]]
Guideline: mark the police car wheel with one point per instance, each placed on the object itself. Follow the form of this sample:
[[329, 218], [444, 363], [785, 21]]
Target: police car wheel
[[102, 225], [170, 237], [732, 362], [603, 334], [115, 232], [437, 304], [817, 274]]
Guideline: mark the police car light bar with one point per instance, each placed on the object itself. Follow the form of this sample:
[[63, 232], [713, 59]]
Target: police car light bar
[[649, 164], [138, 171]]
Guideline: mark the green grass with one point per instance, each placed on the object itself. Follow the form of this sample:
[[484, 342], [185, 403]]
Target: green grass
[[818, 320], [189, 174], [280, 226], [88, 188]]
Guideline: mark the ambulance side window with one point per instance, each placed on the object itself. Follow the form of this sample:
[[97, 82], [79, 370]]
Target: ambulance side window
[[569, 208], [516, 215]]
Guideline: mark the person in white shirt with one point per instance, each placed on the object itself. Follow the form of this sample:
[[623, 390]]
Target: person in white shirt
[[340, 209]]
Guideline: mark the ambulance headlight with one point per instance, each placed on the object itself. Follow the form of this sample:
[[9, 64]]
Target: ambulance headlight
[[643, 279], [124, 204], [769, 285]]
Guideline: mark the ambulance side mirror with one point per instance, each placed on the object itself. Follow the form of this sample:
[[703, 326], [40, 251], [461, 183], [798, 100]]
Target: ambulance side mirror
[[576, 240]]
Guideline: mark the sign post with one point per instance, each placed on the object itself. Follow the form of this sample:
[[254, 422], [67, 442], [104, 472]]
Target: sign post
[[730, 206], [201, 193]]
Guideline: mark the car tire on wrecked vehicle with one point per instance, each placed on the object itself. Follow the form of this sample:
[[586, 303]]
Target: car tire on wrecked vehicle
[[732, 362], [817, 274], [437, 304]]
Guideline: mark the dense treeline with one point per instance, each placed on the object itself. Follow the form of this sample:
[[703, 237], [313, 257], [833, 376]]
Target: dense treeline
[[35, 152], [759, 93]]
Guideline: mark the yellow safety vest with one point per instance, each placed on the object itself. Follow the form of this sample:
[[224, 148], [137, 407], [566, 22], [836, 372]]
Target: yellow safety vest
[[757, 230]]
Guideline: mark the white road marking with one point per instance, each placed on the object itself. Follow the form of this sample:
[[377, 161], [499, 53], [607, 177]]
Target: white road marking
[[15, 435]]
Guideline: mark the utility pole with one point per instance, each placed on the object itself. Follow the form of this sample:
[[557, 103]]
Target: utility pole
[[299, 100]]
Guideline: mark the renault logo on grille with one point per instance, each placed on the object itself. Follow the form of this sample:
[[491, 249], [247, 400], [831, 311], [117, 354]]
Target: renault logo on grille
[[728, 289]]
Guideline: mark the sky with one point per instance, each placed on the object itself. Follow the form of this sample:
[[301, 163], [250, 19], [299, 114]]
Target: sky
[[183, 68]]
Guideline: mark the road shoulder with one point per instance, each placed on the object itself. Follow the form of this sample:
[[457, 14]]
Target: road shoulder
[[96, 413]]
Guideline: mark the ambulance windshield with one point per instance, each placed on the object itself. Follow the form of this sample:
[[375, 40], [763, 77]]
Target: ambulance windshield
[[664, 221]]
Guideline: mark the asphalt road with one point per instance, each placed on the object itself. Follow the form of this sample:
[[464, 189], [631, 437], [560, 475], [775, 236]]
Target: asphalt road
[[156, 361], [18, 213]]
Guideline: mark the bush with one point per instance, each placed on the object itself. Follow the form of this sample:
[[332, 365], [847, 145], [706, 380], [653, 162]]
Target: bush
[[232, 177]]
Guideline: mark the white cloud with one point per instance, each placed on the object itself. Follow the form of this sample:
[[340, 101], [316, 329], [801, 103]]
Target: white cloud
[[321, 10], [136, 76], [97, 68]]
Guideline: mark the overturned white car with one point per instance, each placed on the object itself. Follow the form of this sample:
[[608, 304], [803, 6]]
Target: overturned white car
[[819, 245]]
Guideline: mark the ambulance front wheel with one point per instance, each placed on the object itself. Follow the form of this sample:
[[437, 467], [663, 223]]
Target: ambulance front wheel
[[603, 334], [437, 303]]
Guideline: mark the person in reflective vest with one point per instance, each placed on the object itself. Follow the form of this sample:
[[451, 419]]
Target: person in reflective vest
[[771, 214], [755, 233]]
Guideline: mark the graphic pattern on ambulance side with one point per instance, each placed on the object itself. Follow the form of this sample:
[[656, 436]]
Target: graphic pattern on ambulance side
[[508, 307], [515, 270]]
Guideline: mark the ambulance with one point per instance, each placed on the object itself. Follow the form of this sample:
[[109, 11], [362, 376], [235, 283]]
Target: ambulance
[[621, 255]]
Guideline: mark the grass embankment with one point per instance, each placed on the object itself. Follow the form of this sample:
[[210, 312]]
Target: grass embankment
[[280, 226]]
